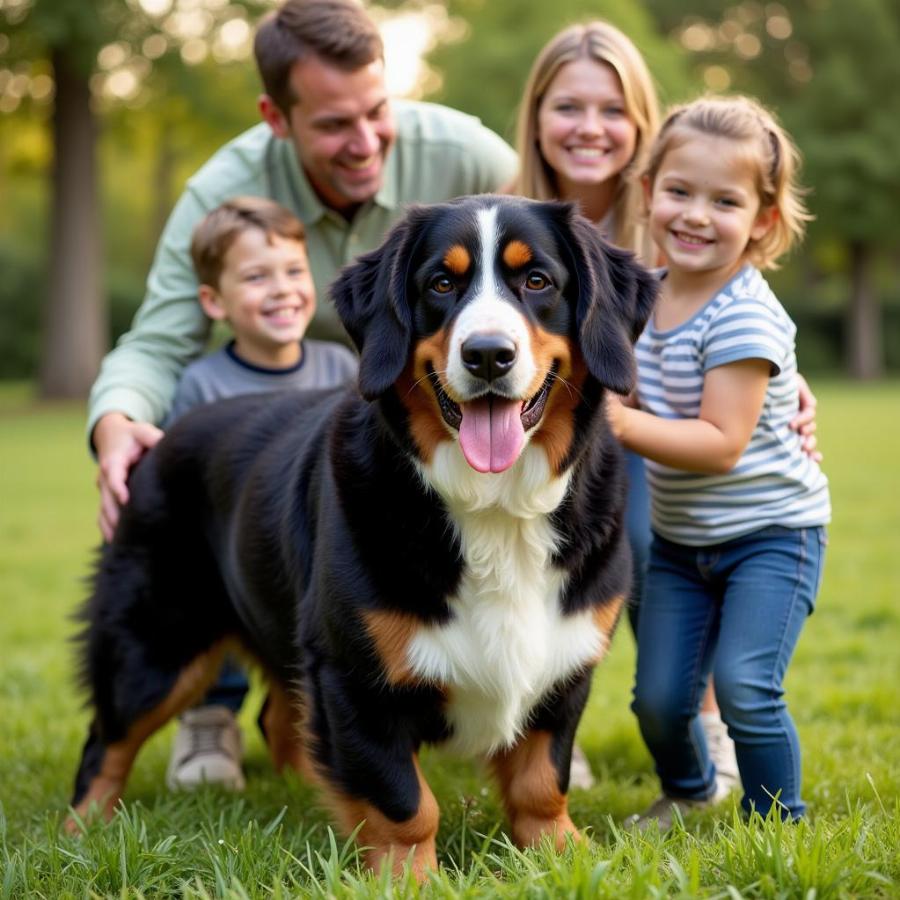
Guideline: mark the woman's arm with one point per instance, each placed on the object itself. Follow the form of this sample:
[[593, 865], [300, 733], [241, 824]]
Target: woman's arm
[[804, 423], [711, 444]]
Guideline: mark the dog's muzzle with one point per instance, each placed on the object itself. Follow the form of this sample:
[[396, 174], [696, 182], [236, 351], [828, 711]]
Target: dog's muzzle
[[491, 426]]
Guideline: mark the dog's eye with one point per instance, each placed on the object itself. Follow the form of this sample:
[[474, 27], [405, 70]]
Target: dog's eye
[[536, 281], [441, 284]]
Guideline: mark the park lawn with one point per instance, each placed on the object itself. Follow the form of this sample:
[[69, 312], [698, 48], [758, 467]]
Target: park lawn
[[274, 840]]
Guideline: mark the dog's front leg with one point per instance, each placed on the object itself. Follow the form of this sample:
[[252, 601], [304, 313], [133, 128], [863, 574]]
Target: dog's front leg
[[531, 787], [403, 828], [364, 751]]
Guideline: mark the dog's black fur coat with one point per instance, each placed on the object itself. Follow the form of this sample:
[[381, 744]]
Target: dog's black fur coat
[[283, 520]]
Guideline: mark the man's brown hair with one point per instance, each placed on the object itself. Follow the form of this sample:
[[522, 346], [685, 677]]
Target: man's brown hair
[[339, 32], [219, 229]]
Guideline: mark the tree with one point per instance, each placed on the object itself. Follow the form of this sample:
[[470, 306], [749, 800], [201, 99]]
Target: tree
[[90, 49], [831, 70], [64, 35]]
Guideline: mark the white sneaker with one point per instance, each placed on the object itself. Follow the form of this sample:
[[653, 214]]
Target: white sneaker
[[580, 774], [721, 752], [207, 750]]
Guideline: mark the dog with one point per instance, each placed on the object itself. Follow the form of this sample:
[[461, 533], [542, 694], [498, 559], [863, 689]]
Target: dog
[[432, 556]]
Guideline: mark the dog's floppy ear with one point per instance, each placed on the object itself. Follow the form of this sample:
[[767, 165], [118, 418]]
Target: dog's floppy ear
[[371, 299], [615, 296]]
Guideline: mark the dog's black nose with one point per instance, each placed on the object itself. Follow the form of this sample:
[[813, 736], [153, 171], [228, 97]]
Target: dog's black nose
[[489, 356]]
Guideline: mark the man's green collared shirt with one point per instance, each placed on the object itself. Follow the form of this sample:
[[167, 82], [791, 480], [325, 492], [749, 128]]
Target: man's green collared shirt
[[439, 154]]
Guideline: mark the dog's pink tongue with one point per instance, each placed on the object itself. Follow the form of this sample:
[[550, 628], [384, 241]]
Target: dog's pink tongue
[[491, 433]]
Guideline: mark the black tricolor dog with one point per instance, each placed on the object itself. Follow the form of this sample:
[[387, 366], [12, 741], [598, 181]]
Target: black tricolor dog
[[434, 557]]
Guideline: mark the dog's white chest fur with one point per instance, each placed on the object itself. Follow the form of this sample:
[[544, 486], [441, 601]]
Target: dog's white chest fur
[[508, 643]]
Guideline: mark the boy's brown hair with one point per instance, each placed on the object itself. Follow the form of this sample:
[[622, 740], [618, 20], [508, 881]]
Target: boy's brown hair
[[219, 229], [339, 32]]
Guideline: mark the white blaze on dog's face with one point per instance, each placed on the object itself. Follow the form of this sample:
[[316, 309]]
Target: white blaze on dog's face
[[490, 364], [495, 328]]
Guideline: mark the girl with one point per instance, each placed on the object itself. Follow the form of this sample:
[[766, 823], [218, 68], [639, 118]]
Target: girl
[[738, 509], [587, 116]]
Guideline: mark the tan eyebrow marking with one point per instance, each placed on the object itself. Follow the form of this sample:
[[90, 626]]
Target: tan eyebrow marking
[[457, 259], [516, 254]]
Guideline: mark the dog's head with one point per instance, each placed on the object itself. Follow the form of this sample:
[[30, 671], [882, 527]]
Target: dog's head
[[488, 317]]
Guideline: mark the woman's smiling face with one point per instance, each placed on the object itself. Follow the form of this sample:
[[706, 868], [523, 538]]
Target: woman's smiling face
[[585, 133]]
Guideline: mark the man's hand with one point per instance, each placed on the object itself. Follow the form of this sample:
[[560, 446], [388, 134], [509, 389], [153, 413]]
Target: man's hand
[[119, 443], [804, 423]]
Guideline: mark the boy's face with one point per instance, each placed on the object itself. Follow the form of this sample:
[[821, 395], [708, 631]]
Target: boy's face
[[266, 294]]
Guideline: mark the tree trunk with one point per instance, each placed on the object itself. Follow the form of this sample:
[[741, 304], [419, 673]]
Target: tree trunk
[[865, 352], [163, 177], [74, 332]]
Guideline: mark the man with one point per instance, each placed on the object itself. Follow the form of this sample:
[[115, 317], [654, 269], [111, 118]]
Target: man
[[333, 148]]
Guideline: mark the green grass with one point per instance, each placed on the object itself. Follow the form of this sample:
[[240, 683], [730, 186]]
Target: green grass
[[274, 840]]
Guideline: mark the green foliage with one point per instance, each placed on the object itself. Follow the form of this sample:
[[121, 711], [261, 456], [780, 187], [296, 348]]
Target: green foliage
[[833, 80], [485, 72], [20, 320], [147, 150], [848, 118], [274, 841], [35, 29]]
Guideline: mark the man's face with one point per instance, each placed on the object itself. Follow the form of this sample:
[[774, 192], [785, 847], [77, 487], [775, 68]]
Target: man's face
[[341, 127]]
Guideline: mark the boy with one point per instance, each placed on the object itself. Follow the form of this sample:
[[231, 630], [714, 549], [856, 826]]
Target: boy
[[250, 258]]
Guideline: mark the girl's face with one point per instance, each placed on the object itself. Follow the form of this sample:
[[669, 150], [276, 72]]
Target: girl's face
[[584, 131], [704, 206]]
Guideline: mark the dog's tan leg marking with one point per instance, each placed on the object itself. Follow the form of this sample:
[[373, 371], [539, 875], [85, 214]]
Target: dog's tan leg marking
[[106, 788], [606, 617], [392, 841], [392, 632], [282, 721], [529, 785]]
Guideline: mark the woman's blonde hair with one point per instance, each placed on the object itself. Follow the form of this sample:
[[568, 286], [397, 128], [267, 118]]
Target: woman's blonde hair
[[774, 156], [603, 43]]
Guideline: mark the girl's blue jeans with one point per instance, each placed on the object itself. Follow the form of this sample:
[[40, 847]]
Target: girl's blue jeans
[[733, 610]]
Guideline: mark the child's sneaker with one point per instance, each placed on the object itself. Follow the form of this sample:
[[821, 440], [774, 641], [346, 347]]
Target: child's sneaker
[[207, 750], [580, 774], [721, 751], [662, 809]]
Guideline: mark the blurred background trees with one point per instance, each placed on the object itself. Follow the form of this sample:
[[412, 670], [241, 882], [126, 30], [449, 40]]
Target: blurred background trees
[[107, 107], [832, 71], [71, 71]]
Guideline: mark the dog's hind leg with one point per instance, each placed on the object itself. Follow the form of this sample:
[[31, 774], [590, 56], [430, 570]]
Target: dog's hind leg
[[106, 762], [280, 722]]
